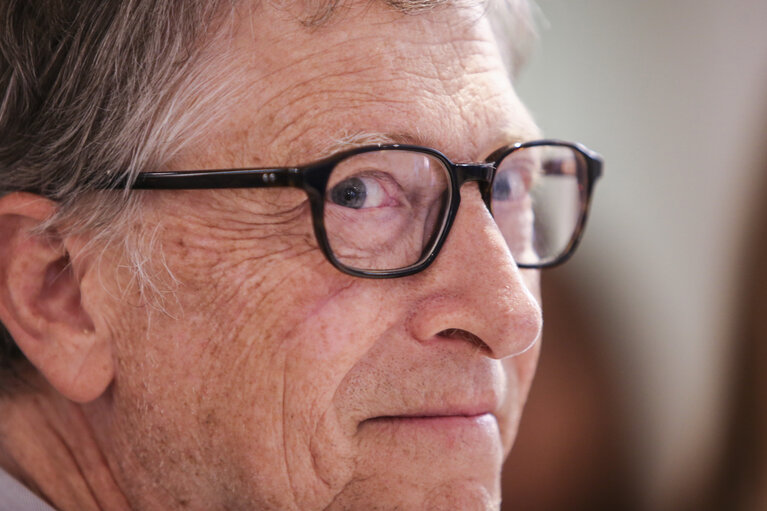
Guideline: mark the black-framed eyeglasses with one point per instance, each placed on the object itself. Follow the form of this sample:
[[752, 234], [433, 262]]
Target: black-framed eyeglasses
[[385, 211]]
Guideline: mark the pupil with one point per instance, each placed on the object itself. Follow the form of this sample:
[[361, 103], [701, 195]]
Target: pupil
[[349, 193], [502, 188]]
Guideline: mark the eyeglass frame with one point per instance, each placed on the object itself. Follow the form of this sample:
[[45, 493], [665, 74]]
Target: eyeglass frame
[[313, 179]]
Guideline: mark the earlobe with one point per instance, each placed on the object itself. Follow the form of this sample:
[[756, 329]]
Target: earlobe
[[41, 302]]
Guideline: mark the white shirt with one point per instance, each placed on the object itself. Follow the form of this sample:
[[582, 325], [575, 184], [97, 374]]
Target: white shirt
[[14, 496]]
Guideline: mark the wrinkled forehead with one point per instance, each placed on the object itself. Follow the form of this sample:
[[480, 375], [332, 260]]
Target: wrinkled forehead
[[427, 73], [319, 12], [511, 20]]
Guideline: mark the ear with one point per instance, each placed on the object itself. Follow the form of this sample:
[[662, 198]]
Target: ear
[[41, 300]]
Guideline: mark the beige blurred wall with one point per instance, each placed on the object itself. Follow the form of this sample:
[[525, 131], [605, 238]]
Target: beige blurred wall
[[674, 95]]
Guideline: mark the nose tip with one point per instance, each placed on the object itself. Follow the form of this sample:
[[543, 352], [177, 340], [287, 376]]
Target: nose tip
[[482, 291], [527, 324], [512, 316]]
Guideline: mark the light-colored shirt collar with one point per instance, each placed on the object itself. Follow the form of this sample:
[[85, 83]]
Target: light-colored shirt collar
[[14, 496]]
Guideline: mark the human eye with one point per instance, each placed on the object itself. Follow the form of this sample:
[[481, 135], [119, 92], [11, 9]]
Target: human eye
[[365, 190], [511, 184]]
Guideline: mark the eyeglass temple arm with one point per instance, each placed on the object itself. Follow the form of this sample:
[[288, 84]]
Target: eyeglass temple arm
[[203, 180]]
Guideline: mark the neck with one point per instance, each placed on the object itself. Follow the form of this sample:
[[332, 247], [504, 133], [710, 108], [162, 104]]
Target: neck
[[47, 444]]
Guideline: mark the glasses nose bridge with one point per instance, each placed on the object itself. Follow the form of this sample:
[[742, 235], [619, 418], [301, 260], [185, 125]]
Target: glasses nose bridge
[[465, 172], [483, 173]]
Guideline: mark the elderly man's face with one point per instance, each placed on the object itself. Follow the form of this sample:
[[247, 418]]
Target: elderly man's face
[[272, 380]]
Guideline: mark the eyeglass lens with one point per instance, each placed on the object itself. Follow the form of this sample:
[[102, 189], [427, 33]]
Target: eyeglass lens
[[537, 201], [385, 210]]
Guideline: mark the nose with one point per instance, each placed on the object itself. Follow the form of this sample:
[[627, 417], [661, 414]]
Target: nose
[[474, 285]]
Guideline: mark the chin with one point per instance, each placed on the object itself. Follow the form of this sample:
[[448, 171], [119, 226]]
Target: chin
[[438, 470], [465, 494]]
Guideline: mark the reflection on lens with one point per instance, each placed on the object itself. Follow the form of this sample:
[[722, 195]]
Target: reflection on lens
[[384, 209], [536, 201]]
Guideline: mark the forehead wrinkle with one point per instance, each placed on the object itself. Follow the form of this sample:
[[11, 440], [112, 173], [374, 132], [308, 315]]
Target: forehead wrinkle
[[319, 13], [306, 105], [342, 58], [395, 56], [311, 90], [311, 137], [303, 121], [315, 134], [290, 114], [298, 127], [329, 42]]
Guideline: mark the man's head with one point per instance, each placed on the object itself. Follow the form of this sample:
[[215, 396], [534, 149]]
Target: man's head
[[250, 373]]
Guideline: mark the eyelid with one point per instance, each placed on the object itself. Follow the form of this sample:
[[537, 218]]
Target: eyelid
[[378, 175], [384, 181]]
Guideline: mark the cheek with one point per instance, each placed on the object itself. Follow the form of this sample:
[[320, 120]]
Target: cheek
[[240, 368], [272, 337], [256, 310], [323, 348]]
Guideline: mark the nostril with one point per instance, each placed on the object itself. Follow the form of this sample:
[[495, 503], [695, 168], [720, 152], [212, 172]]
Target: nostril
[[463, 335]]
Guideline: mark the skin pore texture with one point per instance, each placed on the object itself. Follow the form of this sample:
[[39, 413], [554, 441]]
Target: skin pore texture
[[270, 380]]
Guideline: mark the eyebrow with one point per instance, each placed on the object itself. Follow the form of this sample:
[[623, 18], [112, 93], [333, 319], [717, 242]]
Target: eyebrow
[[363, 138], [356, 139]]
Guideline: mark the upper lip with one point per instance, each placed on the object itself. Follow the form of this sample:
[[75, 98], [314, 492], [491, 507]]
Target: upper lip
[[473, 391]]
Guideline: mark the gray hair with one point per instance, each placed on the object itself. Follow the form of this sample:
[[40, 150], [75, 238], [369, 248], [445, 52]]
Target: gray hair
[[96, 92]]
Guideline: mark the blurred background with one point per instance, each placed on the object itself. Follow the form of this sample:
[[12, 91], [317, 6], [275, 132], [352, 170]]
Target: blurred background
[[652, 388]]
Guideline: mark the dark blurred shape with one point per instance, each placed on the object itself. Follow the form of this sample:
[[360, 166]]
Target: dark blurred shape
[[741, 481], [572, 449]]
